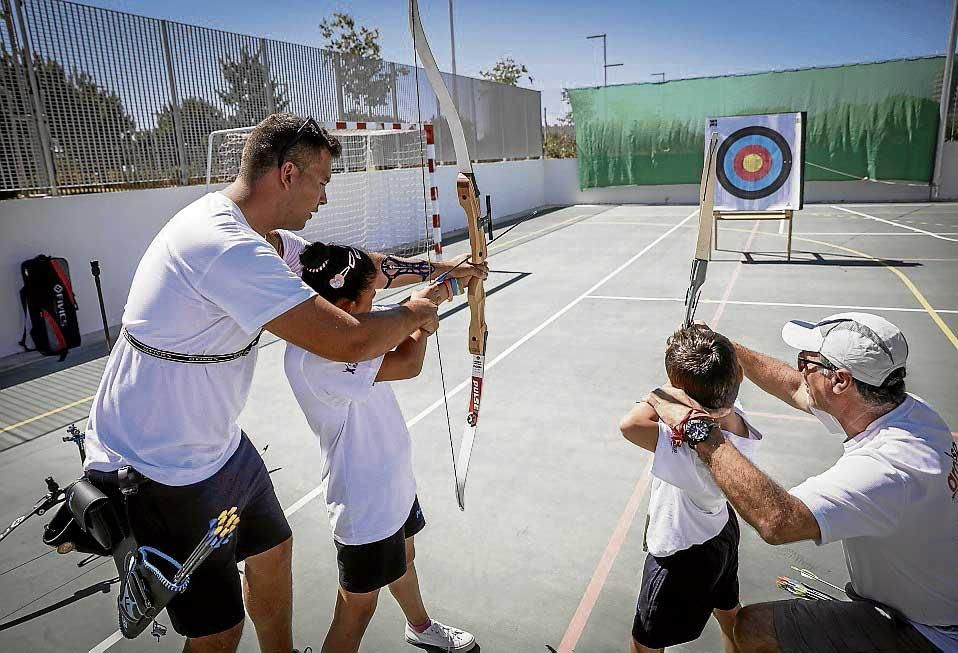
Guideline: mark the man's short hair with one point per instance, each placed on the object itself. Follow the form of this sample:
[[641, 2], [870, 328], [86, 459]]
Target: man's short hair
[[271, 139], [703, 363], [889, 393]]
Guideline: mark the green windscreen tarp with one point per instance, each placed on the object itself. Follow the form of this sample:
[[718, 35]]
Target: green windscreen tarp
[[876, 120]]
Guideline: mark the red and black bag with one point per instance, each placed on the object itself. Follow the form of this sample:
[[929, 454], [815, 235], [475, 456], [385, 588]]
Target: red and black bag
[[49, 305]]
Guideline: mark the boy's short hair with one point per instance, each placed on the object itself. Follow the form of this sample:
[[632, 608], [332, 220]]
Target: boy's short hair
[[703, 363]]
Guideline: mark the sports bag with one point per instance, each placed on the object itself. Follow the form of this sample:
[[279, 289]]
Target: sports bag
[[49, 306]]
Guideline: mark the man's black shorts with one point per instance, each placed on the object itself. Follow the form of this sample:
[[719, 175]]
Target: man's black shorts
[[368, 567], [174, 519], [842, 626], [680, 591]]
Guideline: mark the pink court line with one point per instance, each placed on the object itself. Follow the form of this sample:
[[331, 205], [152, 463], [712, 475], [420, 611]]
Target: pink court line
[[591, 595]]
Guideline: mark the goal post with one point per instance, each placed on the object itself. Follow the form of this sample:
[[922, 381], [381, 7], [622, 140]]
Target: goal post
[[383, 186]]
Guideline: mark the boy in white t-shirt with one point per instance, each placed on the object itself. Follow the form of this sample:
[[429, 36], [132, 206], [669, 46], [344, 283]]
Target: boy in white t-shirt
[[691, 534], [367, 458]]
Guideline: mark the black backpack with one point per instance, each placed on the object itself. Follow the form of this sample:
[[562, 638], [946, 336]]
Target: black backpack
[[50, 306]]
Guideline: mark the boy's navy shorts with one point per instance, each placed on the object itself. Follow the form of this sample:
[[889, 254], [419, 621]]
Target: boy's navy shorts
[[680, 591]]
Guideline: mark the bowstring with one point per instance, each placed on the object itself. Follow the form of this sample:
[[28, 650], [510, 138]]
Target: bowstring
[[425, 211]]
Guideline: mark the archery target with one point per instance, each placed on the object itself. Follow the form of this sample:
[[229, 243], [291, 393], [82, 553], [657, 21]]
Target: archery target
[[757, 164]]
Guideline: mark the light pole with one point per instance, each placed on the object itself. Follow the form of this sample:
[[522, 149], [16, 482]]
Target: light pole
[[452, 46], [605, 64], [945, 103]]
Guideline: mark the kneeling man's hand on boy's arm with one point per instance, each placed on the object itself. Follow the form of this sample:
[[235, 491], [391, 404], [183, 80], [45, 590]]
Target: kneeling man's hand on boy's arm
[[672, 405], [779, 517]]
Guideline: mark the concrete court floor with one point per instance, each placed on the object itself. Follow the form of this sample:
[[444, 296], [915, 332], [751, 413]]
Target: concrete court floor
[[549, 550]]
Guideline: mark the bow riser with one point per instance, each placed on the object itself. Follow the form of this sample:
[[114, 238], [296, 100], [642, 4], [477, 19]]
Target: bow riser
[[469, 201]]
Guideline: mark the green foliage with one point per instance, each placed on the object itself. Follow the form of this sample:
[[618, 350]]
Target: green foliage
[[250, 92], [559, 143], [91, 119], [368, 83], [198, 118], [342, 36], [506, 71]]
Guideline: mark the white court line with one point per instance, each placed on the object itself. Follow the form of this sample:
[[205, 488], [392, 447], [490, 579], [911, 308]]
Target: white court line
[[896, 224], [780, 230], [783, 304], [555, 316], [316, 491], [867, 233], [107, 643], [882, 204]]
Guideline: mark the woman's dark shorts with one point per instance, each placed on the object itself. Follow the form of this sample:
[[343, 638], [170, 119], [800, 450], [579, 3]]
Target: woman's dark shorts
[[368, 567]]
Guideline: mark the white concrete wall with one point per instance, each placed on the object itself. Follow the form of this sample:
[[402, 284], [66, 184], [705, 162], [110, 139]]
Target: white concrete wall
[[116, 228], [563, 188]]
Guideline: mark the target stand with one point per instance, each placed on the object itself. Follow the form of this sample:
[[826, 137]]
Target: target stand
[[758, 215]]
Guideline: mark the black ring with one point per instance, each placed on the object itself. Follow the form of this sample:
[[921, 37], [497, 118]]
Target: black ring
[[767, 190]]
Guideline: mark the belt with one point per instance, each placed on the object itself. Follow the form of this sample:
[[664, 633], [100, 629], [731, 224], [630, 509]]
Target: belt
[[196, 359]]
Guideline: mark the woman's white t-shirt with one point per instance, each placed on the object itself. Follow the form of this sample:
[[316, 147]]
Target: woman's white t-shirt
[[686, 507], [367, 471]]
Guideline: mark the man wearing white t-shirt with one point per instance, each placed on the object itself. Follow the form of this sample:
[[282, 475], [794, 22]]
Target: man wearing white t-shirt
[[176, 381], [891, 499]]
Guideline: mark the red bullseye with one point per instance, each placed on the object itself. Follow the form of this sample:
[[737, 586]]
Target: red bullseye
[[752, 162]]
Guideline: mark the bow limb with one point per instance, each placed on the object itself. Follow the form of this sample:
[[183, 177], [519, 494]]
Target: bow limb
[[703, 245], [468, 194]]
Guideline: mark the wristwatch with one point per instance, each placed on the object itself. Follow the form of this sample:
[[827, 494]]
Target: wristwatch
[[698, 429]]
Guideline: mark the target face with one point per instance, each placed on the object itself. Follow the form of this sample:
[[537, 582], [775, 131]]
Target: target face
[[753, 162]]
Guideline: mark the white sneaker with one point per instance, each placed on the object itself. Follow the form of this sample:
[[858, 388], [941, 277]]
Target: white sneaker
[[441, 637]]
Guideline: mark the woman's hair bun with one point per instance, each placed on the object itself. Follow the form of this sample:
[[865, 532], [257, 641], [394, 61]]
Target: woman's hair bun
[[315, 256]]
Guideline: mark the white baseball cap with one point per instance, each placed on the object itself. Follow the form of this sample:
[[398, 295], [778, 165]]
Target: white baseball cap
[[868, 346]]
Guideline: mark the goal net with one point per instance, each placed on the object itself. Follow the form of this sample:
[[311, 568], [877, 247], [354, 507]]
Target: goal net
[[382, 194]]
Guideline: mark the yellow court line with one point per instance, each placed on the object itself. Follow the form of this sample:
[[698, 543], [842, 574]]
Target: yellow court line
[[46, 414], [936, 318], [80, 401], [905, 280]]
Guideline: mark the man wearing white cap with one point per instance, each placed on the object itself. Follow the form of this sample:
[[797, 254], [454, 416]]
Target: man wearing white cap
[[891, 499]]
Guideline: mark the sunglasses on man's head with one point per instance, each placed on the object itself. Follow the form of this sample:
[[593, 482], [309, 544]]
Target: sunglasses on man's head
[[804, 362], [308, 124]]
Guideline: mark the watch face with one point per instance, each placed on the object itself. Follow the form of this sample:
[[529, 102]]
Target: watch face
[[697, 430]]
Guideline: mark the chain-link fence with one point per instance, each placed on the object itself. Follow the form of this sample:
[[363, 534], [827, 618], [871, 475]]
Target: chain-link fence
[[94, 99]]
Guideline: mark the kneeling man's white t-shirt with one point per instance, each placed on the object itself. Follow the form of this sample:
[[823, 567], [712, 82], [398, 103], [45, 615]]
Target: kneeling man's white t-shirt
[[366, 450], [892, 501]]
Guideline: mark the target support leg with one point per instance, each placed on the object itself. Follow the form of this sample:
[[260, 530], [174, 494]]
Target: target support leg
[[788, 215]]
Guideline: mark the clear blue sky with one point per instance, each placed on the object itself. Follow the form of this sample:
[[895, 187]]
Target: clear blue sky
[[682, 38]]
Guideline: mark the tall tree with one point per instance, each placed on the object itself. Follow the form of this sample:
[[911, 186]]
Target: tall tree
[[368, 83], [87, 123], [198, 117], [251, 93], [506, 71], [559, 139]]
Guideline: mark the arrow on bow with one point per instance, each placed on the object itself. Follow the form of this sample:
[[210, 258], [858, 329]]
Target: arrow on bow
[[468, 194], [703, 246]]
